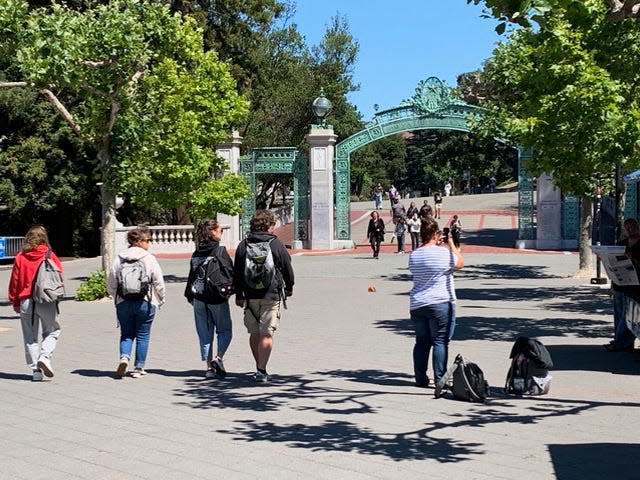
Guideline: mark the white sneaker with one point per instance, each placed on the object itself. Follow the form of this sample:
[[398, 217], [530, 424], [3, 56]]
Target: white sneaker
[[138, 372], [122, 367], [37, 376], [44, 365]]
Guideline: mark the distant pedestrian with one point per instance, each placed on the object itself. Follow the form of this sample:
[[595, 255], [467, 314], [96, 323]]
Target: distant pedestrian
[[35, 249], [455, 228], [437, 202], [412, 209], [211, 312], [260, 298], [378, 191], [447, 189], [426, 211], [137, 285], [432, 301], [492, 184], [397, 211], [399, 232], [393, 195], [375, 233], [414, 230]]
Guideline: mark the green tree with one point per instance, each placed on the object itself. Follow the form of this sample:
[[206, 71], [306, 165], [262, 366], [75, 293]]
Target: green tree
[[569, 91], [130, 66]]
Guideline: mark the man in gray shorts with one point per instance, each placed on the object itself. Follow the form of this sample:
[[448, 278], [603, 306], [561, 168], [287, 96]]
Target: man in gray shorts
[[261, 300]]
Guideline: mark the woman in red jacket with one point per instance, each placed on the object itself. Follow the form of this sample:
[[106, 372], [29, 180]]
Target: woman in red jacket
[[35, 247]]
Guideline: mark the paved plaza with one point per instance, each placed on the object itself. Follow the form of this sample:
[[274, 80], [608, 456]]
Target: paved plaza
[[342, 404]]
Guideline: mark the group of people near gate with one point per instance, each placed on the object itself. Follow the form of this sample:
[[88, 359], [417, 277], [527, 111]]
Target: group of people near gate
[[432, 301], [407, 223], [135, 282]]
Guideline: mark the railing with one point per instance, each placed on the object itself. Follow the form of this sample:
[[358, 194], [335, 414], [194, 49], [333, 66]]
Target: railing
[[169, 238], [10, 246]]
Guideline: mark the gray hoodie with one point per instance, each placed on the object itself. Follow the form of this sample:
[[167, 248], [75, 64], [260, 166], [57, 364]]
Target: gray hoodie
[[153, 270]]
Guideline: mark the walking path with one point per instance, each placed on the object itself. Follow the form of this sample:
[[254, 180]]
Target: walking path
[[342, 404]]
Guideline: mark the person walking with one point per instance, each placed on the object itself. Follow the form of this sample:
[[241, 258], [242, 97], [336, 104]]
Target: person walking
[[34, 250], [426, 211], [455, 228], [399, 233], [432, 301], [397, 211], [136, 283], [448, 188], [437, 202], [375, 233], [414, 230], [210, 310], [378, 191], [262, 305], [623, 338], [412, 209]]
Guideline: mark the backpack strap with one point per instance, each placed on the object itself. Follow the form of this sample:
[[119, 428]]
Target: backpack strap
[[445, 378], [473, 393], [46, 258]]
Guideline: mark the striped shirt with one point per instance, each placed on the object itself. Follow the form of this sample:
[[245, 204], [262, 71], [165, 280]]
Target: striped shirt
[[432, 270]]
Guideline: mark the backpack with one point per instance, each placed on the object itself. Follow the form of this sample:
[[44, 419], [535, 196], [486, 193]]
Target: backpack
[[259, 268], [529, 370], [133, 280], [48, 286], [212, 284], [469, 384]]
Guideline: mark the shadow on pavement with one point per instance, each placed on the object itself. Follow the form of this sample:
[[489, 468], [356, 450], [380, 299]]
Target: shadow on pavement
[[356, 396], [508, 329], [595, 460], [492, 237], [14, 376]]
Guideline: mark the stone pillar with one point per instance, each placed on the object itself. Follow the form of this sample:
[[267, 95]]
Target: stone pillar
[[549, 214], [230, 151], [321, 152]]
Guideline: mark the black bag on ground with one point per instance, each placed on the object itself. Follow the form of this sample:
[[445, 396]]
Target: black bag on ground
[[529, 370], [468, 381]]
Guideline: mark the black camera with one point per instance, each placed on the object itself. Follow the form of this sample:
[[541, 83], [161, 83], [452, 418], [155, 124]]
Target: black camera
[[445, 235]]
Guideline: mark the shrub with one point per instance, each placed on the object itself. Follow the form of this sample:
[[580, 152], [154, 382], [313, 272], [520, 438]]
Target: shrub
[[93, 288]]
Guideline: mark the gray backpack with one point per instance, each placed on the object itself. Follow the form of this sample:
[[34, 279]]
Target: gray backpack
[[48, 286], [133, 280], [259, 267]]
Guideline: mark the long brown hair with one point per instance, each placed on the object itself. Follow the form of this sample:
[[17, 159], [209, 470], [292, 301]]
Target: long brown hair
[[428, 229], [37, 235]]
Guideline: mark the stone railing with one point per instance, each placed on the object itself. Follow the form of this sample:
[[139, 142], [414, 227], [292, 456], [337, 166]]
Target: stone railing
[[169, 238]]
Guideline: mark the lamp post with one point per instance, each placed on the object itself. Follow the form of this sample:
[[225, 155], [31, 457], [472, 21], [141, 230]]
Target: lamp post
[[321, 107], [598, 280]]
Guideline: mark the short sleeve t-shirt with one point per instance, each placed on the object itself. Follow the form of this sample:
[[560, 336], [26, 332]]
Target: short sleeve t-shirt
[[432, 270]]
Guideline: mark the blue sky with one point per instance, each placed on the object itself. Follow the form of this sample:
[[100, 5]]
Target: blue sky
[[403, 42]]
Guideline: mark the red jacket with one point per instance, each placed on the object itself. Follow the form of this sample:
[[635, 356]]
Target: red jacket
[[24, 271]]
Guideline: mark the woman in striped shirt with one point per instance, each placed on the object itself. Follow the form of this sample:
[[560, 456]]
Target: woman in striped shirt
[[432, 300]]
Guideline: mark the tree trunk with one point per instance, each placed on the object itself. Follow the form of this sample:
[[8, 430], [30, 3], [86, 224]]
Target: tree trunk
[[108, 198], [584, 243]]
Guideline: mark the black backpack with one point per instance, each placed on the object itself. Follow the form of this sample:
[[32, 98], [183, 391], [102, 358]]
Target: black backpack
[[529, 370], [469, 384], [212, 283]]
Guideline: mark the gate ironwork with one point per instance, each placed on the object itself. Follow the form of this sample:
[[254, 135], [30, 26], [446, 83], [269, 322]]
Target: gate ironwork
[[287, 160], [433, 106]]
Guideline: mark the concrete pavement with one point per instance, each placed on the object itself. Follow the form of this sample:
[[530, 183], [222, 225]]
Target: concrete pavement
[[342, 402]]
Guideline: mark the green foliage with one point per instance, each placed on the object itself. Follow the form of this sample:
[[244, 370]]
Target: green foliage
[[149, 99], [569, 92], [93, 288]]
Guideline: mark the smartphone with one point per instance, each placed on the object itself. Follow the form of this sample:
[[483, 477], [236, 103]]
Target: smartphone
[[445, 235]]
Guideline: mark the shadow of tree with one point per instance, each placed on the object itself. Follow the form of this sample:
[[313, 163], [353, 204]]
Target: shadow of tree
[[594, 460], [508, 329], [306, 394]]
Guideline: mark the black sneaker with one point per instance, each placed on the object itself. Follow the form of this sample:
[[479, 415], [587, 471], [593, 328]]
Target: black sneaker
[[218, 366], [260, 377]]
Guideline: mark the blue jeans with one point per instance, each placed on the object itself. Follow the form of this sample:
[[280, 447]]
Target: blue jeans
[[209, 319], [622, 336], [135, 317], [434, 326]]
